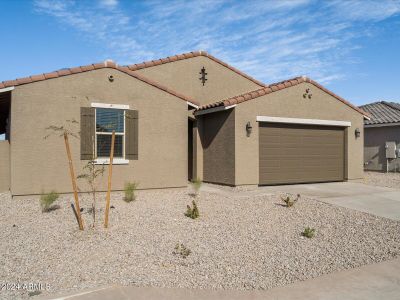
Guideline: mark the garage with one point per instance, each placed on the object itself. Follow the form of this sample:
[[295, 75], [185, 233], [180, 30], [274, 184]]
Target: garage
[[295, 131], [300, 153]]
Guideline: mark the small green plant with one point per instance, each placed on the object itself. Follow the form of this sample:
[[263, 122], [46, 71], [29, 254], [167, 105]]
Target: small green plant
[[308, 232], [196, 184], [129, 190], [46, 201], [34, 293], [192, 212], [289, 200], [181, 250]]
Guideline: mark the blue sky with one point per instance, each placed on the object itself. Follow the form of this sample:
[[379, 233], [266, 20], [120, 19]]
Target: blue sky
[[351, 47]]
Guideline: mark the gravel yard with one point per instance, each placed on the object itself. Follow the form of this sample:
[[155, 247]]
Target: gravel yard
[[391, 180], [237, 243]]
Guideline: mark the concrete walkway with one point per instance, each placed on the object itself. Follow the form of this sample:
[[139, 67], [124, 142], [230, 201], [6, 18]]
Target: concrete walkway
[[379, 201], [378, 281]]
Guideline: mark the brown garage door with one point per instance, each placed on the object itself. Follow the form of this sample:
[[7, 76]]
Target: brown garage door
[[300, 153]]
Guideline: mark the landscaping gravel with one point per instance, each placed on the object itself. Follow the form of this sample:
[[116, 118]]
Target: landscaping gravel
[[237, 243], [391, 180]]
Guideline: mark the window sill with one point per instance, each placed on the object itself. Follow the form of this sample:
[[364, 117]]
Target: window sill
[[106, 161]]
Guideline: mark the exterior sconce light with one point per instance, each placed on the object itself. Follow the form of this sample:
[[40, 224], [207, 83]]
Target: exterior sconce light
[[357, 132], [248, 128]]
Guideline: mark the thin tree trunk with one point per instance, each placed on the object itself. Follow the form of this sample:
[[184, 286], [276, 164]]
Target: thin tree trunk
[[74, 187], [94, 206], [93, 183]]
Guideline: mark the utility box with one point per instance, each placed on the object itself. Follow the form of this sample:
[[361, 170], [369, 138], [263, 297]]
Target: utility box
[[390, 150]]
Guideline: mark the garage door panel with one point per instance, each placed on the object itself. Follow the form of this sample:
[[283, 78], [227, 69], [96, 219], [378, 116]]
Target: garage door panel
[[300, 153]]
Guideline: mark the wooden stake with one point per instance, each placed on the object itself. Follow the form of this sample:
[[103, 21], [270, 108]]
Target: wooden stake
[[109, 180], [71, 170]]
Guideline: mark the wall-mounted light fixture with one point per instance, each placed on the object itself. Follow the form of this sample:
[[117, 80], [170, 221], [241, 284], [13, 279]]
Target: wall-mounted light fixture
[[111, 78], [248, 128], [357, 132]]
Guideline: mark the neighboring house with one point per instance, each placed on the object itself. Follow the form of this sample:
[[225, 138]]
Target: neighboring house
[[382, 132], [172, 126]]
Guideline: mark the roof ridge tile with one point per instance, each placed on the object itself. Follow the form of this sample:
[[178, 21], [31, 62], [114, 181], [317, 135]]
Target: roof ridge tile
[[87, 68], [273, 87], [187, 55]]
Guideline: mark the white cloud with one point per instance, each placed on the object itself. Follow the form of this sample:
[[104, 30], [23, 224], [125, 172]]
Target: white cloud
[[270, 40], [109, 3]]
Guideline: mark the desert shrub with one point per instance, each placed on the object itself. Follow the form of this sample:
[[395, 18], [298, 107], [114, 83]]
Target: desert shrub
[[196, 184], [46, 200], [181, 250], [290, 200], [129, 190], [34, 293], [192, 212], [308, 232]]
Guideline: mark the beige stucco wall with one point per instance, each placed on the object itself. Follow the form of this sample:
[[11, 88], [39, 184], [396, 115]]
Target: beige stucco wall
[[197, 151], [218, 142], [375, 151], [4, 166], [39, 165], [290, 103], [183, 76]]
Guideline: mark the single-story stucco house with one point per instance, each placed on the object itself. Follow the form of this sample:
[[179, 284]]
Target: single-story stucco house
[[382, 136], [177, 118]]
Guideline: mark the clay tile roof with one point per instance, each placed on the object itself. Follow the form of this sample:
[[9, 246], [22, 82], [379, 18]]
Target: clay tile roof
[[276, 87], [76, 70], [382, 112], [24, 80], [64, 72], [169, 59], [9, 83]]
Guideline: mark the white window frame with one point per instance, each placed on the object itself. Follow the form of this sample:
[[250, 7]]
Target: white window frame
[[105, 160]]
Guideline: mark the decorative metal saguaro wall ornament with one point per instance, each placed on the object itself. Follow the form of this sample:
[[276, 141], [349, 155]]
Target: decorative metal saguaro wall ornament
[[203, 75]]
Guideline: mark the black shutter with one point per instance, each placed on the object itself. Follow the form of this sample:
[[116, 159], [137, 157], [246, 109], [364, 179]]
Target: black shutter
[[131, 134], [87, 132]]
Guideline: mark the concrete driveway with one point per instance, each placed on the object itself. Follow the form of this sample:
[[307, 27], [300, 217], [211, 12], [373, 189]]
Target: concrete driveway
[[379, 201], [377, 281]]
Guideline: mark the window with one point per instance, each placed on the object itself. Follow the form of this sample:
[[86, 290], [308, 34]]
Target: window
[[99, 121], [107, 120]]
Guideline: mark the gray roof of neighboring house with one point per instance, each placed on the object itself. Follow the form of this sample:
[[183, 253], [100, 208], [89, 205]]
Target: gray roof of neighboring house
[[382, 112]]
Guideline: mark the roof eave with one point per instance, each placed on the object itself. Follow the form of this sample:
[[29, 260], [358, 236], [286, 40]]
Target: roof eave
[[10, 85], [382, 125], [277, 87], [213, 109]]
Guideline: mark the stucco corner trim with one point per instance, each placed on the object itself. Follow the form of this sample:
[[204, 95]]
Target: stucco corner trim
[[192, 105], [105, 105], [303, 121], [106, 161], [214, 109], [7, 89]]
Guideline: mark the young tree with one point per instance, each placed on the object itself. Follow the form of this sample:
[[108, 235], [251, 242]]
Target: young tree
[[65, 131], [91, 172]]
